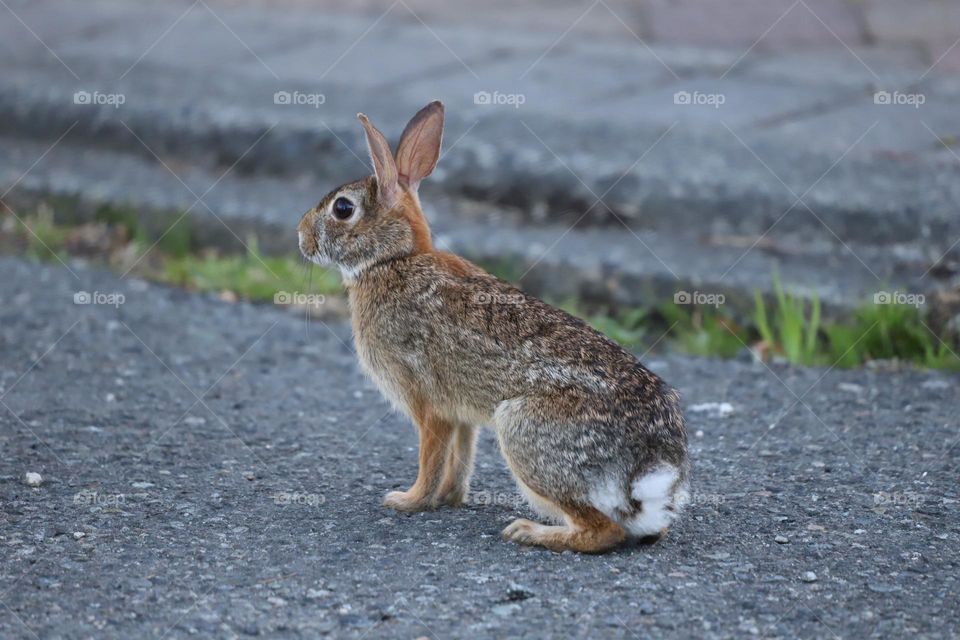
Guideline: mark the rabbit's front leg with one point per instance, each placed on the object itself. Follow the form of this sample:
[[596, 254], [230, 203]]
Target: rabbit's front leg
[[456, 476], [436, 434]]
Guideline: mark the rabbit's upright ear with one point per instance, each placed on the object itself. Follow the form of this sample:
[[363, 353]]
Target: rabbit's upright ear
[[419, 147], [388, 190]]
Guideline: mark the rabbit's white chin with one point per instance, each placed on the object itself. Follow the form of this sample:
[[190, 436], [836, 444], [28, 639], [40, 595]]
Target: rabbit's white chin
[[352, 272], [319, 259]]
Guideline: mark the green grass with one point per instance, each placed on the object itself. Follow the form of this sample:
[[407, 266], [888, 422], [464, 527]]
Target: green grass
[[44, 239], [507, 270], [176, 240], [792, 327], [629, 328], [173, 259], [704, 331], [887, 331], [250, 276], [788, 325]]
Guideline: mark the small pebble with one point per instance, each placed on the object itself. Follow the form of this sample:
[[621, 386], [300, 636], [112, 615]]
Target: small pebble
[[32, 479], [809, 576], [782, 540], [712, 409], [504, 610], [850, 387], [79, 534]]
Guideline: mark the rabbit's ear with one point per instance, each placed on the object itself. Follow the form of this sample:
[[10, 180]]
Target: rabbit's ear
[[388, 190], [419, 147]]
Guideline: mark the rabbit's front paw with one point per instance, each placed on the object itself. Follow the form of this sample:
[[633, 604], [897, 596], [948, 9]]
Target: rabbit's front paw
[[406, 501], [455, 497]]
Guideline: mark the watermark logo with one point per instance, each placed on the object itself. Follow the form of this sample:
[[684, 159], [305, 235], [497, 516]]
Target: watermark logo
[[699, 298], [497, 98], [97, 98], [898, 499], [113, 299], [299, 298], [94, 498], [714, 100], [707, 499], [299, 98], [495, 498], [897, 297], [899, 98], [296, 498], [484, 297]]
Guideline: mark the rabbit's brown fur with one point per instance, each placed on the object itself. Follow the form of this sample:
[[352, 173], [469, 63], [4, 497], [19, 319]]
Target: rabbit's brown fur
[[592, 436]]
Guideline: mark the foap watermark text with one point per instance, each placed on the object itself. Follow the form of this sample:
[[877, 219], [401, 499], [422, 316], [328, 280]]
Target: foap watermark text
[[699, 298], [299, 298], [298, 98], [699, 98], [94, 498], [899, 98], [898, 297], [484, 297], [514, 100], [98, 98], [112, 298], [301, 499]]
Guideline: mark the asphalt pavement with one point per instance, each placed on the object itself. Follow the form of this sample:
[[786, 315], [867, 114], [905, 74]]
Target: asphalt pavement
[[215, 469]]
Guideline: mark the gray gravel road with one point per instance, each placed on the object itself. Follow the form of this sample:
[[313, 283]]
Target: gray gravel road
[[215, 470]]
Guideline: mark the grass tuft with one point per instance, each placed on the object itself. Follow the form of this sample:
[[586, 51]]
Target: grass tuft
[[250, 276], [703, 331], [792, 327]]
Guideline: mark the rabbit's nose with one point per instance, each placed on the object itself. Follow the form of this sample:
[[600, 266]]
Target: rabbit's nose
[[307, 242], [306, 224]]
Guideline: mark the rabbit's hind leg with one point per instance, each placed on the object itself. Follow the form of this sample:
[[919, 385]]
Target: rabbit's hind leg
[[586, 531]]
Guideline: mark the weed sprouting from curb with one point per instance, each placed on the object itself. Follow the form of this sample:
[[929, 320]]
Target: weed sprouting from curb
[[790, 327]]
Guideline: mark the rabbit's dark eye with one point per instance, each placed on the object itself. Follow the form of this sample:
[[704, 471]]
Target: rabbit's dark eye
[[342, 208]]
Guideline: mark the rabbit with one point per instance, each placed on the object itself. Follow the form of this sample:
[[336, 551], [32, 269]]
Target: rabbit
[[595, 441]]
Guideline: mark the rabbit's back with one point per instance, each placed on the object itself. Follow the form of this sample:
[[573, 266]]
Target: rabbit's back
[[467, 338]]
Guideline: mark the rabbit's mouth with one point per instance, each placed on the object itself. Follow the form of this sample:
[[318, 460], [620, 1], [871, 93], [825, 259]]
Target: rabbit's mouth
[[310, 248], [318, 258]]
